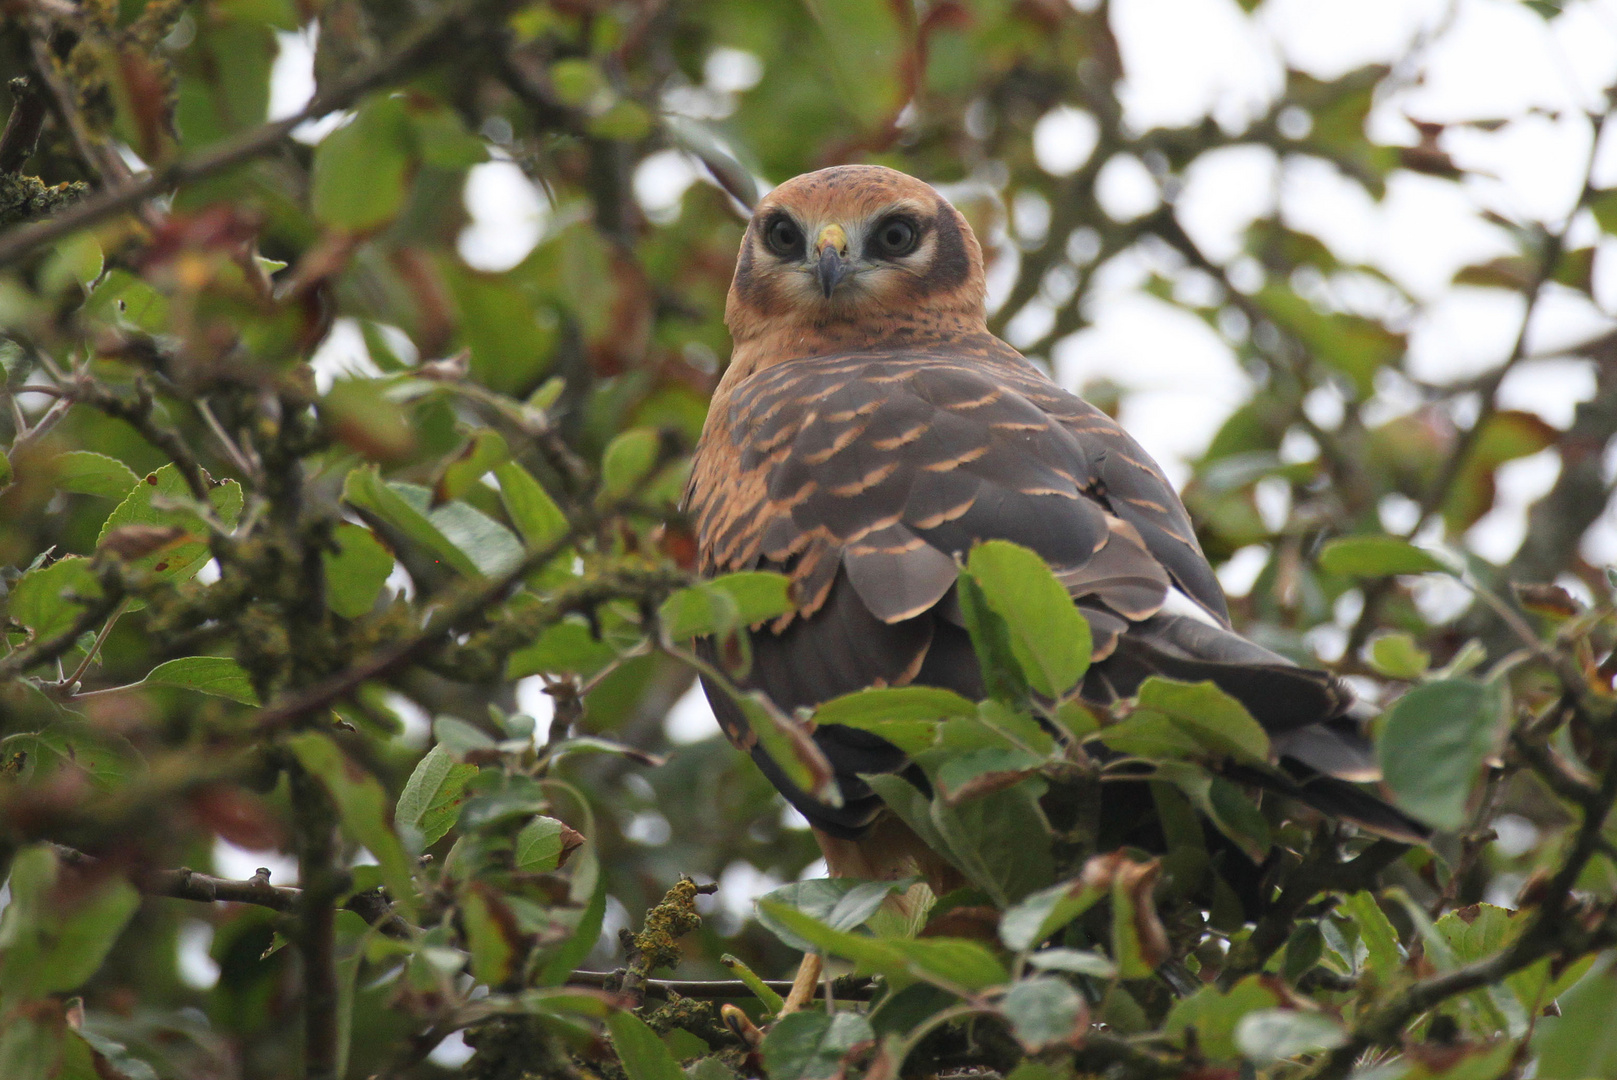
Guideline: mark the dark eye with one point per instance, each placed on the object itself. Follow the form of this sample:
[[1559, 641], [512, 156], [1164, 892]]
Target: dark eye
[[896, 236], [783, 237]]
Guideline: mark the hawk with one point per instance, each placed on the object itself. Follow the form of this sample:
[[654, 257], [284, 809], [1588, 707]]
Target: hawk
[[870, 430]]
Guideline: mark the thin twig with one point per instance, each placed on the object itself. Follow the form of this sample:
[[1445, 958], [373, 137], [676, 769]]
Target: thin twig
[[43, 652], [94, 649], [27, 117], [232, 451]]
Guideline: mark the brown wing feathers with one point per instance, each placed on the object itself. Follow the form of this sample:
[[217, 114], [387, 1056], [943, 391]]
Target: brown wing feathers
[[865, 471], [865, 476]]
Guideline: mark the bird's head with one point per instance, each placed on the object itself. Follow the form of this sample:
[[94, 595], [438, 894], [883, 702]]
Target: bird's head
[[854, 255]]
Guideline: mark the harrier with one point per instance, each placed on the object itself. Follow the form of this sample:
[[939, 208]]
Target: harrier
[[870, 430]]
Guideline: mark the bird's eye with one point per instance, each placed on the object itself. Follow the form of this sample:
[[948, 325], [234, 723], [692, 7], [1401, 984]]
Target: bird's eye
[[783, 237], [896, 236]]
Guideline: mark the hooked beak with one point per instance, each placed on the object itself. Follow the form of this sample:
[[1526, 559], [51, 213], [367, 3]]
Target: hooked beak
[[832, 266]]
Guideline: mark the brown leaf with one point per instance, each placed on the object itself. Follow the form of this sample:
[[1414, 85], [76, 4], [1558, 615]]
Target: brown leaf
[[985, 784], [130, 542], [976, 921], [571, 841], [1547, 599], [239, 817], [1135, 882]]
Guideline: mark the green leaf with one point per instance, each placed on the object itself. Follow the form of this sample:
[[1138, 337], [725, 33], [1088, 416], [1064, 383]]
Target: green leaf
[[1604, 206], [489, 546], [535, 514], [88, 473], [758, 594], [840, 903], [54, 934], [1377, 556], [1398, 657], [761, 990], [73, 261], [1076, 961], [812, 1045], [358, 413], [459, 737], [628, 460], [709, 1068], [564, 648], [482, 452], [510, 335], [868, 46], [622, 120], [949, 962], [1215, 719], [906, 716], [431, 799], [217, 675], [969, 775], [975, 833], [1215, 1015], [1432, 744], [1045, 1012], [1048, 635], [1225, 804], [1356, 346], [180, 561], [463, 537], [362, 811], [1377, 933], [561, 964], [40, 598], [361, 170], [699, 611], [1480, 931], [1506, 435], [492, 935], [1042, 913], [442, 139], [33, 1049], [108, 1058], [356, 571], [789, 745], [544, 844], [1276, 1034], [1003, 676], [642, 1053], [106, 759], [1197, 720], [1582, 1041]]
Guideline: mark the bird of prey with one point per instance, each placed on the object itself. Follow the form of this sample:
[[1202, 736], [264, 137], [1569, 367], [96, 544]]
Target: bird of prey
[[870, 430]]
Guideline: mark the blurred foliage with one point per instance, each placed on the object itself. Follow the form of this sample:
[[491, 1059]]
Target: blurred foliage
[[293, 494]]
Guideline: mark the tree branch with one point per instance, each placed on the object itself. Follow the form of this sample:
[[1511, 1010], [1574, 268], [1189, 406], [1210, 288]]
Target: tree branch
[[847, 988], [421, 46], [188, 884]]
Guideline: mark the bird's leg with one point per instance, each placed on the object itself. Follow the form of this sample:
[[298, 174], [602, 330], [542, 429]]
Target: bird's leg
[[803, 987]]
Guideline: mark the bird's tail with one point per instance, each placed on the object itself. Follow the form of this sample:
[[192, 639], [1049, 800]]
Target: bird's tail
[[1323, 755]]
